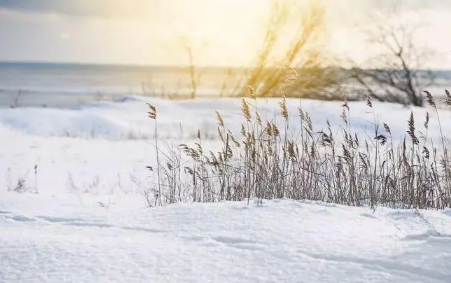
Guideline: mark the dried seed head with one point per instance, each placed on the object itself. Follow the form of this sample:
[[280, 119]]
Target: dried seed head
[[259, 119], [237, 144], [301, 114], [345, 102], [325, 139], [448, 98], [426, 122], [426, 152], [251, 92], [188, 170], [430, 99], [269, 129], [275, 130], [309, 122], [152, 112], [381, 138], [219, 119], [411, 130], [387, 129], [368, 101], [291, 150], [243, 130], [283, 108], [356, 140], [346, 154], [199, 148], [245, 110], [312, 150]]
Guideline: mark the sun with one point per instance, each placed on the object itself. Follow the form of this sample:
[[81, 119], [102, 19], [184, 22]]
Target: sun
[[227, 31], [231, 32], [220, 32]]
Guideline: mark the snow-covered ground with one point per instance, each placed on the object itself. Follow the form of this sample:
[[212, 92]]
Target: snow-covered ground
[[104, 147], [82, 216], [57, 240]]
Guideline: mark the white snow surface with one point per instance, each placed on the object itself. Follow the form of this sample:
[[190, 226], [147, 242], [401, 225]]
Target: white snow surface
[[82, 218], [104, 147], [57, 240]]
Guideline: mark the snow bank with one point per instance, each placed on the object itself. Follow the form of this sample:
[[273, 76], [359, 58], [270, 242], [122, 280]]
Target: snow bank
[[280, 241], [125, 118]]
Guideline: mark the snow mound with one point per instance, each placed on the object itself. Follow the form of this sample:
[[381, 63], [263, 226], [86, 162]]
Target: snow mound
[[53, 122], [126, 118], [96, 120], [280, 241]]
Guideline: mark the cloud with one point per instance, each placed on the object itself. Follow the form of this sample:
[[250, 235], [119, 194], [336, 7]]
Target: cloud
[[47, 6], [139, 9], [84, 8], [112, 9]]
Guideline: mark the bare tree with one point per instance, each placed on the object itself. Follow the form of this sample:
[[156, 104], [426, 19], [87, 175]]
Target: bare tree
[[185, 45], [195, 76], [397, 72]]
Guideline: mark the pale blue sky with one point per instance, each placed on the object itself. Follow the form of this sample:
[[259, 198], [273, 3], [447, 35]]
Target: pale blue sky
[[147, 31]]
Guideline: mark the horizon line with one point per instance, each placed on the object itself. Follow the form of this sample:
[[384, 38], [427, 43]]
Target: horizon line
[[135, 65]]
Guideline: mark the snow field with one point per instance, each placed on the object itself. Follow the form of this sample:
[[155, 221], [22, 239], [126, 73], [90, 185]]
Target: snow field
[[228, 242], [82, 218]]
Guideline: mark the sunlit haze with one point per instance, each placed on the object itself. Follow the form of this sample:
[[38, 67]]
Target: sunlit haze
[[221, 32]]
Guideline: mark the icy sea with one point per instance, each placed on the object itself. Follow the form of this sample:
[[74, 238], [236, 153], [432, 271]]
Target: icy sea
[[63, 85]]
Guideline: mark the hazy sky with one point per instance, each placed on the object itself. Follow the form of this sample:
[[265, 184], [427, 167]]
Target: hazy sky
[[148, 31]]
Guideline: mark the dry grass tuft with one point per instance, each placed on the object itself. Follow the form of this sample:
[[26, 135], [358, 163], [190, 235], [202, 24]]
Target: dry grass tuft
[[271, 162]]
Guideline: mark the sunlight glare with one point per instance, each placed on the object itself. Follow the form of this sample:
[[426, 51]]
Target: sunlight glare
[[222, 32]]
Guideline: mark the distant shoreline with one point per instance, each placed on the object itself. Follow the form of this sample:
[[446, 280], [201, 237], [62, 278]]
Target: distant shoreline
[[133, 67]]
